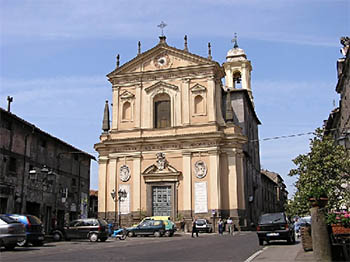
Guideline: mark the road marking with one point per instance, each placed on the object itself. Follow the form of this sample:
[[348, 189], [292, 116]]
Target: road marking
[[255, 255]]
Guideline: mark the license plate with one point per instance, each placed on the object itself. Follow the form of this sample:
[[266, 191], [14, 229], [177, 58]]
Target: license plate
[[272, 234], [40, 238]]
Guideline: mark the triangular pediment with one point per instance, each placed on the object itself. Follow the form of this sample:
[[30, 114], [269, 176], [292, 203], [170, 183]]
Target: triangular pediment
[[161, 57], [127, 95], [161, 84], [154, 170], [198, 88]]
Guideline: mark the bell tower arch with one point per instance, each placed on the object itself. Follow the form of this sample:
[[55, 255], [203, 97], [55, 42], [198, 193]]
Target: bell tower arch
[[238, 69]]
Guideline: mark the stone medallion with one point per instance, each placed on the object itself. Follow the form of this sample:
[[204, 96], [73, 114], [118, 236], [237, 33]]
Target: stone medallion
[[124, 173], [200, 169]]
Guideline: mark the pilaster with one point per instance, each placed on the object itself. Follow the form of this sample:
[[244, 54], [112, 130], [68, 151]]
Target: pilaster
[[115, 108], [111, 184], [136, 193], [102, 181], [211, 99], [187, 181], [186, 101], [214, 173]]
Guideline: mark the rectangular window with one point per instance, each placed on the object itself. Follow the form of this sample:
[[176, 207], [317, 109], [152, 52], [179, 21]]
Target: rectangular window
[[13, 164]]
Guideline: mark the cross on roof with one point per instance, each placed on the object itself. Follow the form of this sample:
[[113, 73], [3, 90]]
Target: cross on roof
[[161, 26], [234, 40]]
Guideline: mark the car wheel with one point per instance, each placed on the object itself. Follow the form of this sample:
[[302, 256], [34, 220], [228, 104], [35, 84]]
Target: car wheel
[[38, 243], [22, 243], [130, 234], [291, 239], [157, 234], [93, 237], [103, 239], [57, 236], [167, 233], [123, 237], [10, 246], [261, 242]]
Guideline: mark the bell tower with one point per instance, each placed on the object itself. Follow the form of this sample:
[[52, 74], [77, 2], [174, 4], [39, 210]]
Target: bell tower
[[237, 69]]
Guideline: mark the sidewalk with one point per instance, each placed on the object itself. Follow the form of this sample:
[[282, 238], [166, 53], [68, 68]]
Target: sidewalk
[[283, 253]]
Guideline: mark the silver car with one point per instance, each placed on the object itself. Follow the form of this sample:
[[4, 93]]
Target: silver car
[[11, 232]]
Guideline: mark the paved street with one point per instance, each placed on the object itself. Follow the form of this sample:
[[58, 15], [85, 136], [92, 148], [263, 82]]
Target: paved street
[[208, 247]]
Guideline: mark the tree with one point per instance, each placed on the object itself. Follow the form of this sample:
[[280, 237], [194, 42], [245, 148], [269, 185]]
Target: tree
[[322, 172]]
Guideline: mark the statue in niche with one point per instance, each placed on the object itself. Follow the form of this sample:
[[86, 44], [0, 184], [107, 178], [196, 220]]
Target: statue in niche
[[124, 173], [200, 169]]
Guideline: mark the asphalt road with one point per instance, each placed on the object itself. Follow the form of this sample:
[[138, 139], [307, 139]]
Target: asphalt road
[[208, 247]]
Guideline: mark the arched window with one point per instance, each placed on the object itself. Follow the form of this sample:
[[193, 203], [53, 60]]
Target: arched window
[[237, 78], [126, 113], [198, 105], [162, 111]]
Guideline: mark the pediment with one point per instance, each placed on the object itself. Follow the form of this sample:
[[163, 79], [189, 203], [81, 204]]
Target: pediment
[[161, 84], [153, 169], [161, 171], [127, 95], [161, 57], [197, 88]]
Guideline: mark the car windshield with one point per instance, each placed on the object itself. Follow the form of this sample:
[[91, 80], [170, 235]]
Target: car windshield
[[272, 218], [201, 221], [102, 222], [34, 220]]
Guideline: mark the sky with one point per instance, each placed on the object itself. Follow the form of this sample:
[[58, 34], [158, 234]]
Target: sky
[[54, 57]]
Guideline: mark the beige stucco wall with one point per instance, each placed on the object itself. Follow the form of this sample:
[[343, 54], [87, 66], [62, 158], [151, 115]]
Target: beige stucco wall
[[190, 138]]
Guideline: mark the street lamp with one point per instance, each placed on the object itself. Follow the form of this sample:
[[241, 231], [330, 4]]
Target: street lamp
[[122, 194]]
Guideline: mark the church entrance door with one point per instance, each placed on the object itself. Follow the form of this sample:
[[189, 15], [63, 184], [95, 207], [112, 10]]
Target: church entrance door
[[161, 201]]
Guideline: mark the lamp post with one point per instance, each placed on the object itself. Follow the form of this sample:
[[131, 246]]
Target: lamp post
[[122, 194]]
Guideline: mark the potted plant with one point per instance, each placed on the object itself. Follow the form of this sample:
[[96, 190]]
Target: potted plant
[[339, 221]]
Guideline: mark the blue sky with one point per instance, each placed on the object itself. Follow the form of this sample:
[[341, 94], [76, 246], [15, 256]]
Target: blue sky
[[54, 56]]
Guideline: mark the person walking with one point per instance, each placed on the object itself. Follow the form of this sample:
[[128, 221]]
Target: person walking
[[194, 227], [221, 226], [230, 225]]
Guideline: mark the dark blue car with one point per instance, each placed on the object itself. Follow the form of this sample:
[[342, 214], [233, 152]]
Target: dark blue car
[[34, 229]]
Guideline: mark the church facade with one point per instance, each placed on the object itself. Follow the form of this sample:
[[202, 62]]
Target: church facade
[[175, 146]]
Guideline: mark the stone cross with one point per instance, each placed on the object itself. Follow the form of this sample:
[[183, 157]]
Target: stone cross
[[9, 101], [234, 40], [161, 26]]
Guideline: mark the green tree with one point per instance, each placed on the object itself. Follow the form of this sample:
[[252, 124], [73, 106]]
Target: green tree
[[321, 173]]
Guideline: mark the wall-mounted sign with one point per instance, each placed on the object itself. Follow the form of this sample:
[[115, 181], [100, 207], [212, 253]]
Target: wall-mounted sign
[[200, 197]]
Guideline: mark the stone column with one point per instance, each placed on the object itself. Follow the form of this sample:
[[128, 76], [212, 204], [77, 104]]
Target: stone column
[[115, 108], [187, 183], [214, 176]]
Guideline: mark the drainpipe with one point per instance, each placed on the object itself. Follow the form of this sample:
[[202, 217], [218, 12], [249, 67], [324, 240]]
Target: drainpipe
[[24, 169]]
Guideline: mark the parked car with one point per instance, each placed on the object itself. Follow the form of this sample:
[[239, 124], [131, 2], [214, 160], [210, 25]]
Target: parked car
[[275, 226], [90, 228], [35, 233], [303, 221], [11, 232], [146, 228], [170, 226], [203, 225]]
